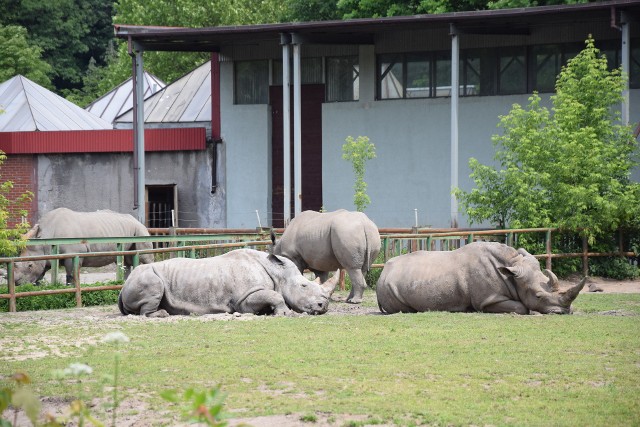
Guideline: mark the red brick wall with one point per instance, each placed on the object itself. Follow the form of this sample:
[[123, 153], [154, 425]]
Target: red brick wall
[[20, 169]]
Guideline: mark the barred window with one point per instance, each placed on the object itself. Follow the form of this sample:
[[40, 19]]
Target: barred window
[[251, 82], [343, 78]]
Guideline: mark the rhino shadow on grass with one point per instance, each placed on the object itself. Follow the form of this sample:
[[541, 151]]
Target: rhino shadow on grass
[[481, 276]]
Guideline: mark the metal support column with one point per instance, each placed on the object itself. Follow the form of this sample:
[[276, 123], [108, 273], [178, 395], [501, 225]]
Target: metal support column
[[625, 60], [138, 130], [297, 130], [286, 127], [455, 89]]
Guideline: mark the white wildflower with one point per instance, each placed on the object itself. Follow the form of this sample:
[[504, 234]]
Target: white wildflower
[[77, 369], [116, 337]]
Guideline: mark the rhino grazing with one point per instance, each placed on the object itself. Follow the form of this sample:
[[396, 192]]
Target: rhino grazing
[[243, 280], [324, 242], [62, 223], [482, 276]]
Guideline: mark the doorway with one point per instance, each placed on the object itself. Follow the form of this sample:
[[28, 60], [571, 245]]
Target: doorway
[[311, 169], [162, 206]]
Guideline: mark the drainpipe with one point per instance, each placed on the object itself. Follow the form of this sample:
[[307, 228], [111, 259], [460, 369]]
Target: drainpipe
[[626, 58], [455, 89], [135, 51]]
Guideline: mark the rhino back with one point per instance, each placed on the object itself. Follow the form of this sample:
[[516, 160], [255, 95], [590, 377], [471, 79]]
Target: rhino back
[[212, 285], [459, 280], [331, 240], [63, 222]]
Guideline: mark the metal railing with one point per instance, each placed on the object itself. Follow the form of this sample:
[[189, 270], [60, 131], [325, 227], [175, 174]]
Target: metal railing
[[394, 242]]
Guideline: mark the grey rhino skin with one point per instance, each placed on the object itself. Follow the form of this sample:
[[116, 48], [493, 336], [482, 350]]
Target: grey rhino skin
[[482, 276], [63, 222], [243, 280], [324, 242]]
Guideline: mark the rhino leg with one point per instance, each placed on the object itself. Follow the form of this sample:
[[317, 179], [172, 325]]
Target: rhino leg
[[264, 301], [509, 306], [143, 294], [357, 285]]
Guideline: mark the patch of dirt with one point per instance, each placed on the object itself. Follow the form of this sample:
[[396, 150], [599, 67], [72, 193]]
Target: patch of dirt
[[601, 284]]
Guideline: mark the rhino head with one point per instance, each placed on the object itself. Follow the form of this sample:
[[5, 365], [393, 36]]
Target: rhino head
[[31, 271], [301, 294], [539, 290]]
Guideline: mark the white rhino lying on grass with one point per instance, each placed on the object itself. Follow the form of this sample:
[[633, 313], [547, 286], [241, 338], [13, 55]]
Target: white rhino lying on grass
[[481, 276], [243, 280]]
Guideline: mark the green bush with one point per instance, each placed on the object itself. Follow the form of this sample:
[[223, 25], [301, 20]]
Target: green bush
[[57, 301]]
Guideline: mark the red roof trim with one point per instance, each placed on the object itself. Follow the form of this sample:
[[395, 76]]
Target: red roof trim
[[101, 141]]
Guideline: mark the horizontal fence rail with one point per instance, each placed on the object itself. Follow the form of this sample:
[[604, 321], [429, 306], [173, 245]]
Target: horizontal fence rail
[[197, 243]]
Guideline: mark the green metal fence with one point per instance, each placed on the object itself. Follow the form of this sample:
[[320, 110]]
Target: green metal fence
[[207, 242]]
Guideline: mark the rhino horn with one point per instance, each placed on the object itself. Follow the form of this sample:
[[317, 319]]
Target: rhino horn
[[330, 284], [570, 294], [553, 280], [31, 233]]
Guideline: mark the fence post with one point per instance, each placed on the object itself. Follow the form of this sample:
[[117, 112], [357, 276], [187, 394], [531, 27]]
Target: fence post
[[136, 260], [119, 263], [547, 242], [76, 280], [429, 239], [54, 265], [585, 257], [470, 238], [12, 287]]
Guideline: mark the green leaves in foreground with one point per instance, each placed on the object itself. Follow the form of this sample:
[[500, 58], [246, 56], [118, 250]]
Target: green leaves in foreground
[[199, 406]]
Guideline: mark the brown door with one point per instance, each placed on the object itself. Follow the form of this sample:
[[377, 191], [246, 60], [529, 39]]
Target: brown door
[[311, 118]]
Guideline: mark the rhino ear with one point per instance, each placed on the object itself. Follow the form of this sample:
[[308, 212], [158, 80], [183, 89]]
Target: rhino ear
[[510, 271], [274, 259]]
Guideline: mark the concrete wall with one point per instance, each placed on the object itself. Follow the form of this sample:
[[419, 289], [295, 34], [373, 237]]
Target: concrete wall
[[88, 182], [246, 135]]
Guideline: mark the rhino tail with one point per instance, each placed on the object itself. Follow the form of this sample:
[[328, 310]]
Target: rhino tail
[[121, 305]]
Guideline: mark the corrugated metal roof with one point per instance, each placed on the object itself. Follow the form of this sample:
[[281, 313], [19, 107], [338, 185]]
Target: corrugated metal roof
[[101, 141], [186, 100], [120, 99], [30, 107]]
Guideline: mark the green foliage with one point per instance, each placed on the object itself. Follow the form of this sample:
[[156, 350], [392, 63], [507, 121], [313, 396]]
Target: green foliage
[[199, 406], [569, 170], [11, 241], [358, 152], [58, 301], [69, 33], [18, 55]]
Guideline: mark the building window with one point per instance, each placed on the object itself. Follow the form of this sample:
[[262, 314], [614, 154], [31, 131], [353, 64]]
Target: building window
[[512, 71], [477, 72], [251, 82], [415, 75], [343, 78], [310, 71]]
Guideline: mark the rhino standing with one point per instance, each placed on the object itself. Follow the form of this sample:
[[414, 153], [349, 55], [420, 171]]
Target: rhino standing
[[482, 276], [63, 222], [243, 280], [323, 242]]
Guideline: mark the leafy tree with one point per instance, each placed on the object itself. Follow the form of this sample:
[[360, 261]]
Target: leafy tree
[[570, 169], [358, 152], [18, 56], [169, 66], [69, 32], [11, 241]]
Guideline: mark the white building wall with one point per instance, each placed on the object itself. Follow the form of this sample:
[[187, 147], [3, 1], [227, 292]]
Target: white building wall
[[246, 135]]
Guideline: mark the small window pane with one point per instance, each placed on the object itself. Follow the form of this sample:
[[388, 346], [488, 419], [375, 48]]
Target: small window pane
[[513, 74], [390, 73], [418, 76], [634, 68], [343, 76], [251, 82], [443, 76], [547, 62]]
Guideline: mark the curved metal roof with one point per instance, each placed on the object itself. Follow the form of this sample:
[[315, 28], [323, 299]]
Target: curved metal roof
[[30, 107], [120, 99], [186, 100]]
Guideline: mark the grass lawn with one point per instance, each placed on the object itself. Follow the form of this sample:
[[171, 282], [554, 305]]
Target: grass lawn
[[408, 369]]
